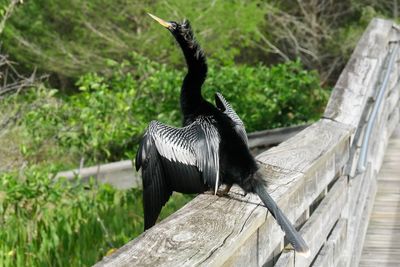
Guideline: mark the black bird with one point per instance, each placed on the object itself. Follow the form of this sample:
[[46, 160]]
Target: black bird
[[209, 150]]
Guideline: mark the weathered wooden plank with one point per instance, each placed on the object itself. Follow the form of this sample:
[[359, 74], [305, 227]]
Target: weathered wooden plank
[[391, 95], [357, 199], [207, 231], [269, 235], [374, 39], [179, 240], [354, 187], [392, 98], [291, 189], [393, 121], [316, 179], [119, 174], [246, 255], [330, 254], [356, 250], [382, 242], [362, 229], [270, 243], [348, 100], [378, 140], [394, 83], [360, 75], [312, 146], [326, 159], [273, 136], [385, 124], [338, 241], [386, 121], [316, 229]]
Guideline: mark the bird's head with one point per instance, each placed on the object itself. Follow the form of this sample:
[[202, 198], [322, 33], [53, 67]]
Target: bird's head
[[177, 29], [184, 35]]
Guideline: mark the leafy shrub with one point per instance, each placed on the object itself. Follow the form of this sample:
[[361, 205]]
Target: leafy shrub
[[58, 223], [105, 121], [74, 37], [270, 97], [54, 223]]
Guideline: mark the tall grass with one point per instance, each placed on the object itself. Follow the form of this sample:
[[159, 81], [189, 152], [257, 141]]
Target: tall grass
[[58, 223]]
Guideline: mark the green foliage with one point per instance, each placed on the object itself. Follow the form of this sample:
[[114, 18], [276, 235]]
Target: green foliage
[[106, 119], [269, 97], [68, 38], [75, 37], [58, 223]]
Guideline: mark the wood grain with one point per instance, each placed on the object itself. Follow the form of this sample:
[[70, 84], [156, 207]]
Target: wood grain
[[359, 78], [331, 252], [207, 231], [382, 241], [362, 228], [310, 147], [273, 136], [219, 238], [357, 199], [320, 224]]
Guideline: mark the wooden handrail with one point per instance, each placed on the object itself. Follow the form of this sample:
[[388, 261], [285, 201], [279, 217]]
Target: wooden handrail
[[306, 175], [122, 175]]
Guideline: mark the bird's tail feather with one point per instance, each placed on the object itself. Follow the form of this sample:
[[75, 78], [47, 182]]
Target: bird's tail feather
[[292, 235]]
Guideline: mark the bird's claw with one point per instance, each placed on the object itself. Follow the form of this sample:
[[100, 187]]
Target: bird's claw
[[222, 193]]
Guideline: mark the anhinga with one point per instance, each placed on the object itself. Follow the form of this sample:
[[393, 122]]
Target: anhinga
[[209, 150]]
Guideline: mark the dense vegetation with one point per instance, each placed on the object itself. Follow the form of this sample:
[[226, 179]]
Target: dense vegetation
[[69, 38], [48, 223], [106, 119], [103, 122], [111, 70]]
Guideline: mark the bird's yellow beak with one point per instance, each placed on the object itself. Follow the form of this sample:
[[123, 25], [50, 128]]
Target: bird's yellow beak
[[162, 22]]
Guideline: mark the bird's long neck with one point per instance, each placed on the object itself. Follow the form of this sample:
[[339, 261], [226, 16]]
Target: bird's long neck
[[191, 97]]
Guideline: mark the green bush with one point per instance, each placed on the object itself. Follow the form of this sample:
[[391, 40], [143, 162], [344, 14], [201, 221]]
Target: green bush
[[269, 97], [68, 38], [74, 37], [55, 223], [58, 223], [107, 118]]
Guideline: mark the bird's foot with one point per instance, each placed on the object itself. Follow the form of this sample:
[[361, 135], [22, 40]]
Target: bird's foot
[[224, 192]]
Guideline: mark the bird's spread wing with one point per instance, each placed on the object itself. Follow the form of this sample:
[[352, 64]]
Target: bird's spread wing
[[175, 159], [156, 191], [225, 107]]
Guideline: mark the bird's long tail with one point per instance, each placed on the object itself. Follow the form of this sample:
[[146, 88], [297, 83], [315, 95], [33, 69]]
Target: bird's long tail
[[292, 235]]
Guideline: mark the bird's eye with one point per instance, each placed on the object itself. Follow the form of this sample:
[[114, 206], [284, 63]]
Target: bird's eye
[[174, 25]]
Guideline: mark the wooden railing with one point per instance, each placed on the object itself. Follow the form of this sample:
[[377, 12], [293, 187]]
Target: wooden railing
[[122, 175], [312, 176]]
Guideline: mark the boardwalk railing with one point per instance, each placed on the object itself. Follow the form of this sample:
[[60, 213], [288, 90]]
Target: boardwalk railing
[[122, 175], [313, 176]]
